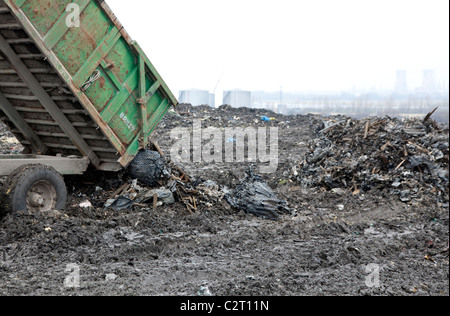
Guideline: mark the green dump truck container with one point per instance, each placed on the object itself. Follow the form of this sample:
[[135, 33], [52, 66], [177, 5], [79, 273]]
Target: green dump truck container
[[75, 89]]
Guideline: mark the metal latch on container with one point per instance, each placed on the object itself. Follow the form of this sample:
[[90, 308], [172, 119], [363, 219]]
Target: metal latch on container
[[94, 77]]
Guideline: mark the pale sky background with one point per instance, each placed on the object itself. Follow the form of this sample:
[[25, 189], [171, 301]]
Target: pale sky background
[[297, 44]]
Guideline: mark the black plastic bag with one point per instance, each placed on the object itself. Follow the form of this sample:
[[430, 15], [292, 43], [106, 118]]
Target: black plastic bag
[[253, 195], [147, 167]]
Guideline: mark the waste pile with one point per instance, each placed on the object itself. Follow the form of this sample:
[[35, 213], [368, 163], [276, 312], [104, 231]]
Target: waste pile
[[404, 158], [254, 196], [408, 158], [147, 166], [183, 236], [154, 180], [8, 143]]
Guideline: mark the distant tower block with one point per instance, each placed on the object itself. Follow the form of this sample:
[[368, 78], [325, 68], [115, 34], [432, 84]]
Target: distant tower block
[[401, 84], [237, 98], [429, 80], [195, 97], [212, 100]]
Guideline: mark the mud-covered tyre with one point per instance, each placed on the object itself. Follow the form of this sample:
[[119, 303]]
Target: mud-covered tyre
[[34, 188], [147, 167]]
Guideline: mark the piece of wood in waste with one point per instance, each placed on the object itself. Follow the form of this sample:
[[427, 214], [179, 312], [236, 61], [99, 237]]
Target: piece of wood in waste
[[366, 129], [383, 148], [155, 201], [158, 149], [186, 177], [376, 123], [419, 148], [123, 188], [429, 115], [401, 164], [188, 207], [174, 178], [331, 127]]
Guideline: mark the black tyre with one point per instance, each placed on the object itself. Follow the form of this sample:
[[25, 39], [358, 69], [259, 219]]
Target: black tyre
[[34, 188], [147, 167]]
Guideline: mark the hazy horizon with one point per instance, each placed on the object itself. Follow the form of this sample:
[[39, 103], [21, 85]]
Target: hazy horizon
[[298, 45]]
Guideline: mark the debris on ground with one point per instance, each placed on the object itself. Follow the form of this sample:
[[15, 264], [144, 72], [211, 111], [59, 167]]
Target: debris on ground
[[254, 196], [406, 158], [147, 166], [8, 143], [85, 204], [361, 202], [120, 203]]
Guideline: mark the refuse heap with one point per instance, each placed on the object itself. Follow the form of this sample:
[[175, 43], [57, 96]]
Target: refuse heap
[[8, 143], [157, 180], [408, 158], [254, 196]]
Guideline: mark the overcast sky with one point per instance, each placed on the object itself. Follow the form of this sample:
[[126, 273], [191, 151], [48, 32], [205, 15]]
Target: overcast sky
[[294, 44]]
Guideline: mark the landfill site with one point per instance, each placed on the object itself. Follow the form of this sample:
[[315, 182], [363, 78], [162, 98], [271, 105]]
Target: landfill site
[[105, 189], [354, 198]]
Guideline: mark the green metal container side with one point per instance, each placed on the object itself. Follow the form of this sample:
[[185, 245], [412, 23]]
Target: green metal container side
[[104, 68]]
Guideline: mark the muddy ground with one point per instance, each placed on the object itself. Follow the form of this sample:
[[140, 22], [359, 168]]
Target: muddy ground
[[334, 241]]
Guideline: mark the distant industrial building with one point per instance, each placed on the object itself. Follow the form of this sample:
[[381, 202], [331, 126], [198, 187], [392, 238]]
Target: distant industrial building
[[237, 98], [197, 97], [282, 109], [401, 85], [429, 80]]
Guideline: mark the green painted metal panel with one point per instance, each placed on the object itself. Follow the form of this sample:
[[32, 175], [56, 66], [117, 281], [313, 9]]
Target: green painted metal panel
[[43, 14], [107, 71]]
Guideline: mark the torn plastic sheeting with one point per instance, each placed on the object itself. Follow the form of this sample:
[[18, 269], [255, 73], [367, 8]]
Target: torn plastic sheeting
[[163, 195], [254, 196], [85, 204], [421, 161], [120, 203]]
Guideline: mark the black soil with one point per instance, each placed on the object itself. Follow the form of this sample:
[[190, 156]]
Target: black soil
[[349, 232]]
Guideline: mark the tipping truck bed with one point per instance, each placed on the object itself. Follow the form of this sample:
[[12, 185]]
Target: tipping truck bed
[[77, 89]]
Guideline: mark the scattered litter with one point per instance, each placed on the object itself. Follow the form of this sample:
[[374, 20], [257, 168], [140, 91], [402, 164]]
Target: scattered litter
[[148, 167], [407, 158], [204, 290], [164, 195], [111, 277], [254, 196], [85, 204], [120, 203]]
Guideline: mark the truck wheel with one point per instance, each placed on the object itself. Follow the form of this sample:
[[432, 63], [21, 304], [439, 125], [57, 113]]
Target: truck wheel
[[36, 188]]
